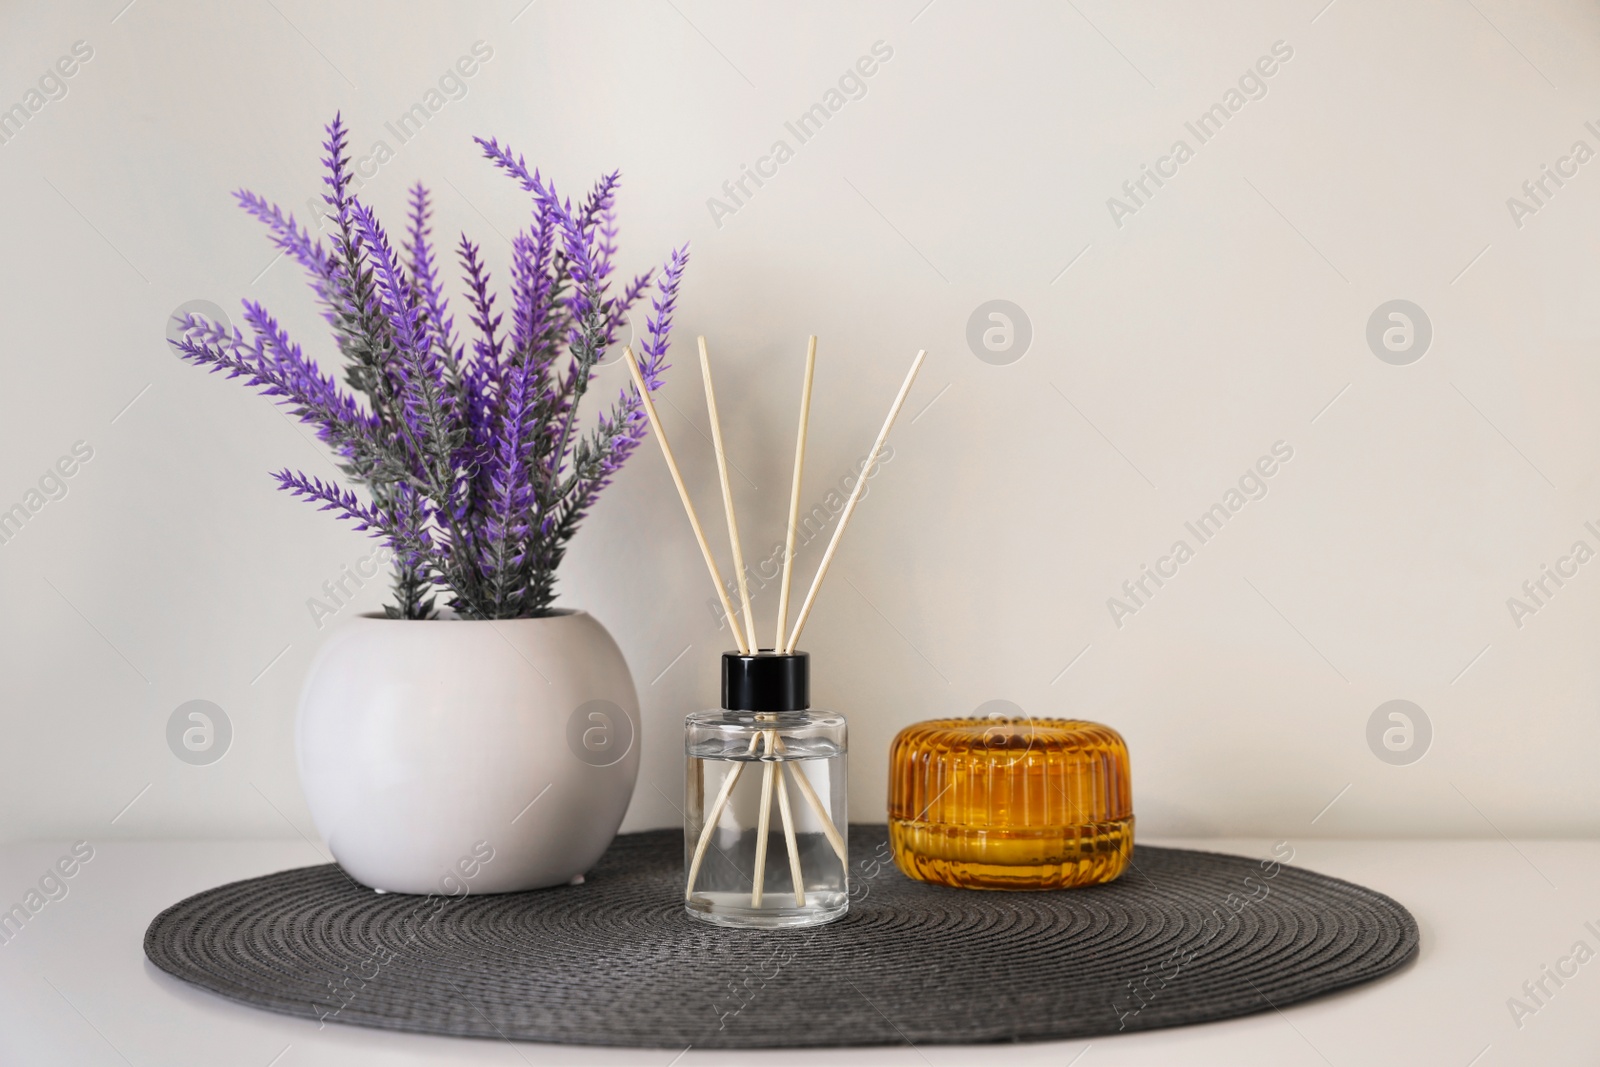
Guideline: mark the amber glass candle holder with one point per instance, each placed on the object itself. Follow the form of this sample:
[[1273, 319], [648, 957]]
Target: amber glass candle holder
[[1010, 803]]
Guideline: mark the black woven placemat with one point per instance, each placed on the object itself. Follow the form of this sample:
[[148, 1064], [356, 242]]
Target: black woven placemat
[[1182, 937]]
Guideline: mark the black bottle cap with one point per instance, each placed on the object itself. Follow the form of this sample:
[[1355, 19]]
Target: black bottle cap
[[766, 681]]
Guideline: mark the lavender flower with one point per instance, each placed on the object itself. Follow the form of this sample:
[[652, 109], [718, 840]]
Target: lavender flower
[[473, 468]]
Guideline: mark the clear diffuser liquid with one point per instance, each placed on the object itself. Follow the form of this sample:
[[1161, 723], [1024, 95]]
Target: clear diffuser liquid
[[773, 787]]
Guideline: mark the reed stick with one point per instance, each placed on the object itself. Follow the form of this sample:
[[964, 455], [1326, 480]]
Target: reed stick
[[683, 494], [714, 817], [850, 504], [829, 830], [763, 826], [788, 830], [794, 495], [727, 501]]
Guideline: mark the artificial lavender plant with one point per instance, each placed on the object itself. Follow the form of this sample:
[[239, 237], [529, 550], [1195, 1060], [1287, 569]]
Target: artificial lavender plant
[[475, 471]]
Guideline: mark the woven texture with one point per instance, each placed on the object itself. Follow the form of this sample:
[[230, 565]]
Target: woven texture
[[1182, 937]]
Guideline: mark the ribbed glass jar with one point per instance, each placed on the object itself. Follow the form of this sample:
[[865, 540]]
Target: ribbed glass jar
[[1010, 803]]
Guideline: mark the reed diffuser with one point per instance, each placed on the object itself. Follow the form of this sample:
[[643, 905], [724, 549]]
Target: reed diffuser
[[766, 720]]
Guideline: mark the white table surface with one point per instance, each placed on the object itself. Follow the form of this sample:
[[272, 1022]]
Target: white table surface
[[76, 989]]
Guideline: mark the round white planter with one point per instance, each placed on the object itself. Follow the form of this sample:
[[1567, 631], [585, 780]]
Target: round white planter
[[454, 756]]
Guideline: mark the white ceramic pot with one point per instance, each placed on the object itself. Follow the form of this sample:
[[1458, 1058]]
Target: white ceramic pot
[[451, 756]]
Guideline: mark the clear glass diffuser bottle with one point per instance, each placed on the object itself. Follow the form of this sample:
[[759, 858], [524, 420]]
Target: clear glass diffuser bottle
[[766, 806]]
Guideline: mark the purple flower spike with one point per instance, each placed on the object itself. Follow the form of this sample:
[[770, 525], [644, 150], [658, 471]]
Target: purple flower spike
[[474, 472]]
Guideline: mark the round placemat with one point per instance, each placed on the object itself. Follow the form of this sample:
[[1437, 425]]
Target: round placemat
[[1182, 937]]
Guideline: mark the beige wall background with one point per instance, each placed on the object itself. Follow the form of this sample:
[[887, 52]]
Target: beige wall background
[[1178, 333]]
